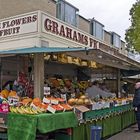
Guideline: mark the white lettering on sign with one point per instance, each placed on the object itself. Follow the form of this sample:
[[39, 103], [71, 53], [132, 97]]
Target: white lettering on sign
[[19, 25]]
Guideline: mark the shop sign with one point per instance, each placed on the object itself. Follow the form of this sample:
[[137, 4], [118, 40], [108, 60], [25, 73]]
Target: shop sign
[[55, 27], [18, 25]]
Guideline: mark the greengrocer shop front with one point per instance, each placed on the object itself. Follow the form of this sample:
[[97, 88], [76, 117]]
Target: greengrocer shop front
[[35, 43]]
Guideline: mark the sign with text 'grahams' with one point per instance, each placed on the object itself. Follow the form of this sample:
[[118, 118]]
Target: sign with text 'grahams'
[[18, 25], [58, 28]]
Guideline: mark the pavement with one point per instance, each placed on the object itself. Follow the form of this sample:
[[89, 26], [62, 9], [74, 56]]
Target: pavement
[[127, 134]]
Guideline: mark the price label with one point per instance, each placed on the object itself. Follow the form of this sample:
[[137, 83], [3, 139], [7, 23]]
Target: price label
[[47, 90], [63, 96]]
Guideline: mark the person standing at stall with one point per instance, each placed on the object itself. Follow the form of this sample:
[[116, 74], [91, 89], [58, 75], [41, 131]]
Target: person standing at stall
[[94, 90], [136, 104]]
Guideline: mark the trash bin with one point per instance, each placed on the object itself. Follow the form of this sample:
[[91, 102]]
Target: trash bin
[[96, 132]]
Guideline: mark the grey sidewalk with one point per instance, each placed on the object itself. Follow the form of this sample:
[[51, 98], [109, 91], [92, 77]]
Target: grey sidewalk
[[127, 134]]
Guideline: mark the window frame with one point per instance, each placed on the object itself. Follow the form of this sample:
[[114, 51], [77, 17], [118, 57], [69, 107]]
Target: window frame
[[93, 29], [61, 14]]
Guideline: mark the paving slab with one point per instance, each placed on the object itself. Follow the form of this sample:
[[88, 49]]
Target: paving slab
[[127, 134]]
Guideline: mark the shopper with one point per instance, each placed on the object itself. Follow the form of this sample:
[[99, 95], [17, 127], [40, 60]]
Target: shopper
[[136, 104]]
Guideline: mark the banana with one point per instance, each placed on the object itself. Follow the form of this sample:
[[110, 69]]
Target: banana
[[34, 111], [26, 111], [11, 109], [14, 109], [39, 110], [29, 110], [23, 109], [19, 110]]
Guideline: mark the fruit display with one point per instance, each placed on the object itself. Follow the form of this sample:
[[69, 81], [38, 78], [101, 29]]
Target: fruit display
[[36, 101], [82, 100], [25, 110], [4, 93], [26, 101], [57, 107], [57, 83], [54, 108], [10, 101], [66, 107], [65, 95]]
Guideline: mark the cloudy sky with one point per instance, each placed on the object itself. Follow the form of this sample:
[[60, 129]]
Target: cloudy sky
[[114, 14]]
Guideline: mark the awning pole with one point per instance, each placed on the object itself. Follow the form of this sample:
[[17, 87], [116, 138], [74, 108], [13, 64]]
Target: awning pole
[[118, 84], [38, 75]]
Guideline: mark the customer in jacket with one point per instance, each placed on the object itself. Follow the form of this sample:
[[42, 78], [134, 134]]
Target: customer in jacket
[[136, 104]]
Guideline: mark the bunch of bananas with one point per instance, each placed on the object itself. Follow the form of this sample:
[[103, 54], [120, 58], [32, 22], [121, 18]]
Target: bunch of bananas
[[83, 85], [25, 110]]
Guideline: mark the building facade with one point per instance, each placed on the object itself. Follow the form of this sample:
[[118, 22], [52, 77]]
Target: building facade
[[66, 12]]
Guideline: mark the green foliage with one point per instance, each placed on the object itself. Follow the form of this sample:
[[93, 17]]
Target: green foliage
[[133, 33]]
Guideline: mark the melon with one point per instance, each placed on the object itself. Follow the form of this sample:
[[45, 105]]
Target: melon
[[71, 101], [87, 101], [80, 102], [83, 97]]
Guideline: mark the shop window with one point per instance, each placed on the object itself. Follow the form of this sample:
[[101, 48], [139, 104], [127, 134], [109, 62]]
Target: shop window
[[67, 12], [97, 29], [116, 41]]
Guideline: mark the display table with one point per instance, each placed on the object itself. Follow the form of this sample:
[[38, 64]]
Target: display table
[[112, 120], [24, 127]]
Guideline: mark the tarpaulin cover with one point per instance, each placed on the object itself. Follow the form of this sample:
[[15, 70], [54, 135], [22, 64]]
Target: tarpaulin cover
[[24, 127]]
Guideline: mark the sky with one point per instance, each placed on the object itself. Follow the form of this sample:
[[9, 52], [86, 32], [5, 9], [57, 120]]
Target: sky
[[113, 14]]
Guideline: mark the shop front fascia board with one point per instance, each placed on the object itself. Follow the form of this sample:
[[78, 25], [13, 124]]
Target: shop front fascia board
[[17, 43], [20, 31], [58, 30], [54, 41]]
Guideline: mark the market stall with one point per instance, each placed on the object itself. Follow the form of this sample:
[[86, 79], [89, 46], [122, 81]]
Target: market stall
[[56, 107]]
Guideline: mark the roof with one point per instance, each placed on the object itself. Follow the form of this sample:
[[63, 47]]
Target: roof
[[103, 55], [109, 57]]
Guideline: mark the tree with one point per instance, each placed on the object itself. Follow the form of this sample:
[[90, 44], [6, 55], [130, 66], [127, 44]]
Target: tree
[[132, 35]]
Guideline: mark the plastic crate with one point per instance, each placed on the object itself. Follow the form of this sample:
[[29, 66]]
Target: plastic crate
[[96, 132]]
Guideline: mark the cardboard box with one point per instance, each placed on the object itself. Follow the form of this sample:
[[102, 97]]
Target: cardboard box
[[79, 111]]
